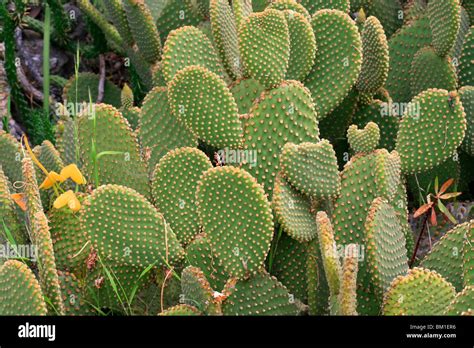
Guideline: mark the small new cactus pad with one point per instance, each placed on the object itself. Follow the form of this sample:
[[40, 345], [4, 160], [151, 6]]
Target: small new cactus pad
[[409, 294], [466, 75], [174, 187], [20, 292], [446, 256], [281, 115], [431, 130], [189, 46], [180, 310], [289, 265], [262, 294], [70, 243], [375, 63], [311, 168], [126, 229], [74, 295], [8, 216], [364, 140], [445, 21], [291, 5], [330, 257], [467, 100], [347, 299], [109, 130], [204, 104], [468, 255], [389, 12], [175, 14], [245, 92], [316, 5], [463, 303], [225, 33], [66, 142], [302, 46], [293, 211], [269, 32], [424, 63], [126, 97], [85, 88], [402, 48], [386, 251], [48, 276], [318, 290], [143, 29], [199, 254], [237, 218], [197, 290], [338, 60], [386, 119], [10, 157], [159, 130]]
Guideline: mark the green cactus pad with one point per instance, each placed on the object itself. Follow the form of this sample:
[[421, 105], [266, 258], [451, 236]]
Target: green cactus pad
[[289, 265], [380, 113], [318, 290], [112, 133], [335, 71], [267, 30], [302, 46], [347, 299], [197, 290], [284, 114], [364, 140], [116, 14], [246, 92], [143, 29], [159, 130], [402, 48], [291, 5], [225, 33], [66, 141], [207, 108], [467, 100], [181, 310], [400, 204], [455, 53], [462, 303], [20, 292], [260, 295], [445, 21], [468, 255], [293, 211], [10, 157], [237, 218], [424, 63], [389, 12], [375, 63], [241, 10], [70, 243], [73, 295], [132, 115], [387, 173], [136, 233], [409, 294], [174, 14], [439, 120], [189, 46], [316, 5], [311, 168], [386, 251], [78, 91], [174, 187], [446, 256], [466, 76], [199, 254]]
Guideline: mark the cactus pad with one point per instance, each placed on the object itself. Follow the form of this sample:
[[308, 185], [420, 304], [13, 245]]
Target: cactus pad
[[466, 76], [237, 218], [174, 187], [197, 291], [462, 303], [204, 104], [245, 93], [311, 168], [468, 255], [467, 100], [10, 157], [364, 140], [445, 21]]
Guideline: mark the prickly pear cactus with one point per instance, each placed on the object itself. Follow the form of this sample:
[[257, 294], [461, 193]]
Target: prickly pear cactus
[[364, 140]]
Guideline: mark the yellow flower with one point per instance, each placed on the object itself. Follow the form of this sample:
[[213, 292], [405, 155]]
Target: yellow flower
[[51, 179], [69, 198], [71, 171]]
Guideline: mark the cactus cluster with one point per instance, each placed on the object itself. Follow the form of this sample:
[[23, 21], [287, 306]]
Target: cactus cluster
[[268, 168]]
